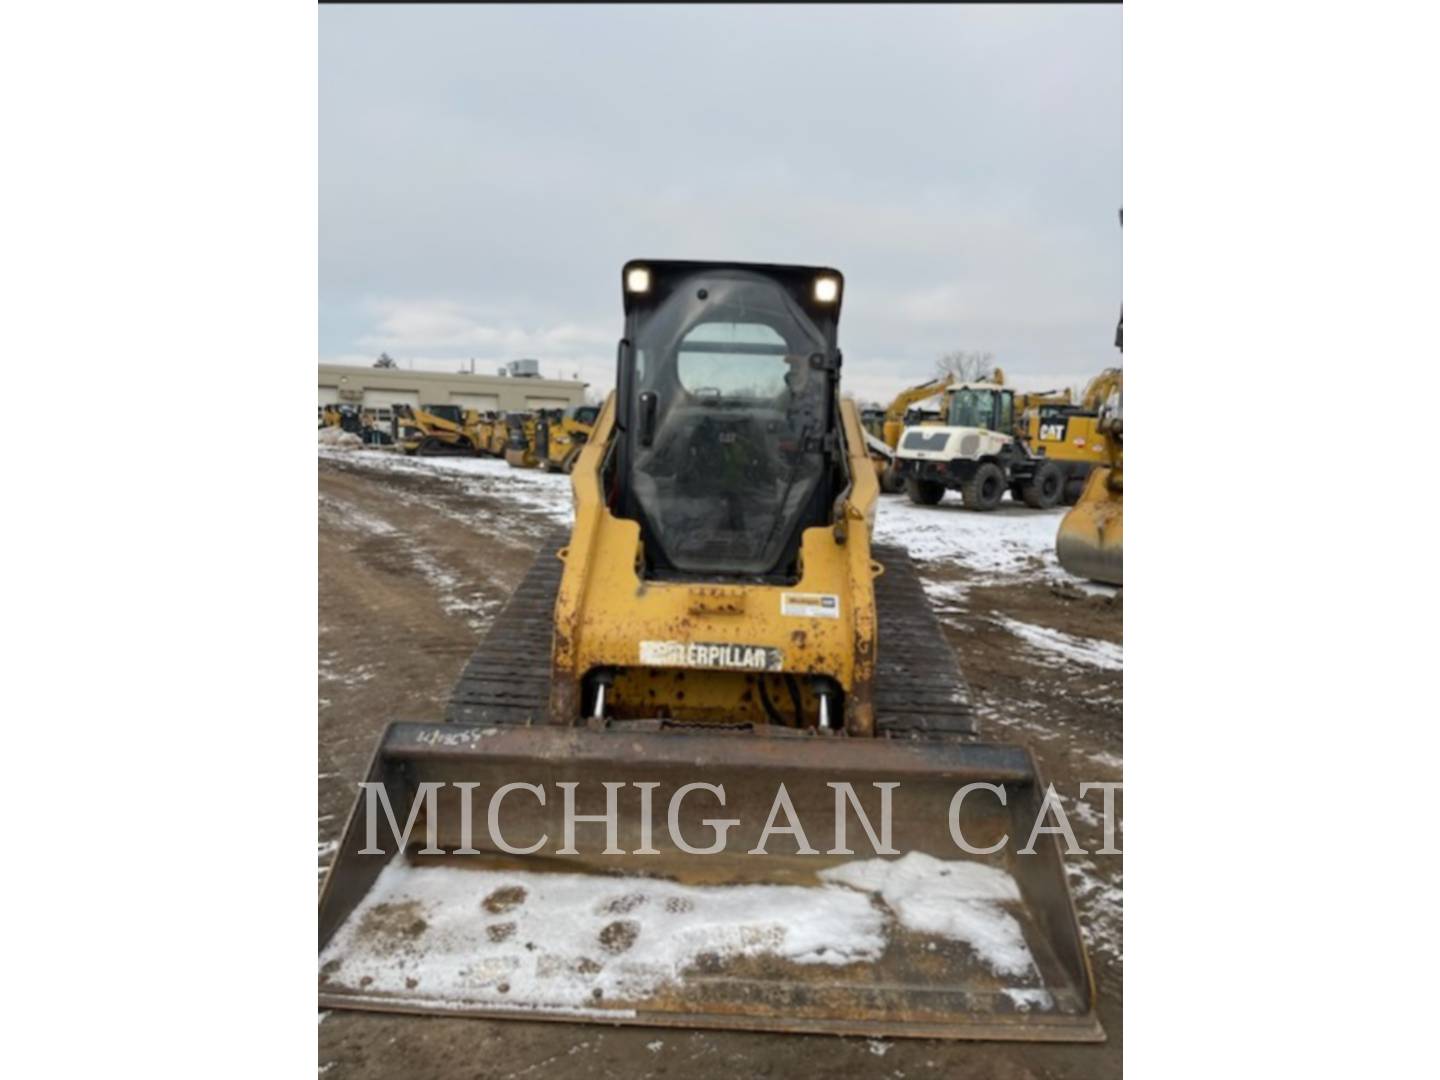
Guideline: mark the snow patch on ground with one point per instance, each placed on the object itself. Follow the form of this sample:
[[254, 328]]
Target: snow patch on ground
[[1080, 650], [547, 493], [329, 673], [1099, 904], [1107, 759], [947, 595], [450, 590], [1010, 540], [516, 939]]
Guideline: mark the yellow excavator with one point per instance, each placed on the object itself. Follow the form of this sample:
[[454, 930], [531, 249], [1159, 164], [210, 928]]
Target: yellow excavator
[[560, 435], [1090, 543], [434, 430], [636, 810], [1052, 425]]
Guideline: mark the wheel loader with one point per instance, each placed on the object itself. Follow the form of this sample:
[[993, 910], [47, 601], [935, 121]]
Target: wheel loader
[[636, 809], [890, 424], [975, 450]]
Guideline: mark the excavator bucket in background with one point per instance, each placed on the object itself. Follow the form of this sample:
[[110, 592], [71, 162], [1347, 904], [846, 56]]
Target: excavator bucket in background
[[1090, 541], [932, 942]]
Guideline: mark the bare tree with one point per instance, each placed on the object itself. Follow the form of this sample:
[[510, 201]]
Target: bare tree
[[965, 365], [386, 361]]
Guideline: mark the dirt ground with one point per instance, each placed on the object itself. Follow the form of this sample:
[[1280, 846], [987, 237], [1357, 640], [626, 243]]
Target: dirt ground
[[406, 591]]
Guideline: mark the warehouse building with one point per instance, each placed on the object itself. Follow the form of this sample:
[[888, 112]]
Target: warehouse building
[[520, 390]]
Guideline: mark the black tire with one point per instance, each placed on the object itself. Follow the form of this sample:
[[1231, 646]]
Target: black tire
[[924, 492], [985, 489], [891, 482], [1046, 487], [1074, 488]]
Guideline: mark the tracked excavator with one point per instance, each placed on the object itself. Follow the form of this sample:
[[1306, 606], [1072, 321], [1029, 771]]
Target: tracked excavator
[[1090, 543], [715, 640]]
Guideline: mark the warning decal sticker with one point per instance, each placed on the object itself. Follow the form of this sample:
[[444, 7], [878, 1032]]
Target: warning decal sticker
[[810, 605]]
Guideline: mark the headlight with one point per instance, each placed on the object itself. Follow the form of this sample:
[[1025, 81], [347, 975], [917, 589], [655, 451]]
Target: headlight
[[637, 280], [827, 289]]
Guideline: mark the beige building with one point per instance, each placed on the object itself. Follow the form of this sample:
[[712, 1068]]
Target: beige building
[[381, 388]]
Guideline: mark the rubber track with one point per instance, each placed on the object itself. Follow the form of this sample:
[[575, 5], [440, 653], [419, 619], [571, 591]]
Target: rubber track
[[919, 690]]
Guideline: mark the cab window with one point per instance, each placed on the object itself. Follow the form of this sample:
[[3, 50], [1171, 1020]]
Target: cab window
[[972, 408]]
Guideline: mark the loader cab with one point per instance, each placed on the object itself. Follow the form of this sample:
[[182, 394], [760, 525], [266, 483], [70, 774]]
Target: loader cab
[[728, 442], [980, 405], [452, 413], [515, 431]]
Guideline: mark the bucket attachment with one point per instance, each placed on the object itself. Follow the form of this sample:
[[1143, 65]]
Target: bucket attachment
[[1090, 541], [519, 875]]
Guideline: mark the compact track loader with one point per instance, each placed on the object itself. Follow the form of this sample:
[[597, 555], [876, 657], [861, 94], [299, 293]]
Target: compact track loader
[[560, 435], [637, 808], [492, 434], [520, 445], [436, 430]]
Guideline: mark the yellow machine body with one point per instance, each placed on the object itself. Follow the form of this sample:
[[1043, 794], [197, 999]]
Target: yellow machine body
[[421, 430], [565, 435], [1090, 543], [607, 617], [520, 441]]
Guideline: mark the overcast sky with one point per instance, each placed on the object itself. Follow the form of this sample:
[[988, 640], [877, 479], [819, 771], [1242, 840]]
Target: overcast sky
[[485, 171]]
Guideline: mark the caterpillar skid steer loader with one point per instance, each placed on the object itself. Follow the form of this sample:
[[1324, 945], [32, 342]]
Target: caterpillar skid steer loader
[[560, 435], [520, 440], [636, 810]]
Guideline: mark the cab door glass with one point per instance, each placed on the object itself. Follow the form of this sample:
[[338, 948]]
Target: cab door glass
[[740, 406]]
